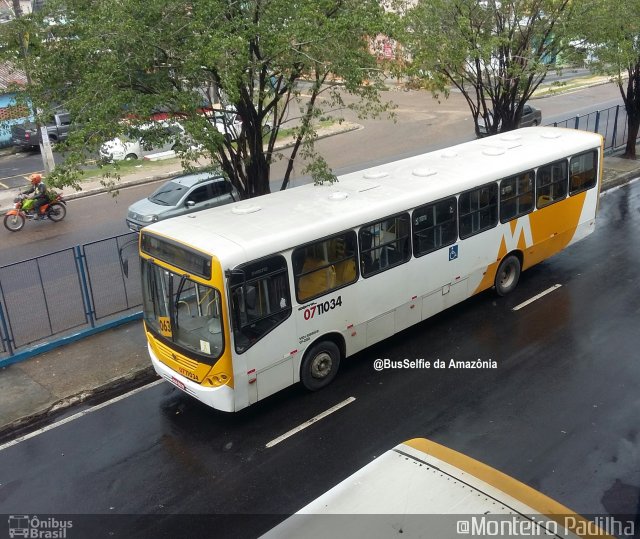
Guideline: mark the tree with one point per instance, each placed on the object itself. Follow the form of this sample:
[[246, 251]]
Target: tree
[[495, 53], [273, 62], [610, 38]]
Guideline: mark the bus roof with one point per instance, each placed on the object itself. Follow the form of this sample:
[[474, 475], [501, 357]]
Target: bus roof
[[420, 477], [281, 220]]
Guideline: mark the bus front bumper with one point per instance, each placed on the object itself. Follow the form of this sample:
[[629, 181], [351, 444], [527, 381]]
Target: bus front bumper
[[220, 398]]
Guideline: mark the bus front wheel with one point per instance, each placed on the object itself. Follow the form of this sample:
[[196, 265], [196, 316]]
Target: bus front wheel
[[507, 275], [320, 365]]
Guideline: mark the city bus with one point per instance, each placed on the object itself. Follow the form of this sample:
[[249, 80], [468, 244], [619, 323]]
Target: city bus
[[423, 489], [244, 300]]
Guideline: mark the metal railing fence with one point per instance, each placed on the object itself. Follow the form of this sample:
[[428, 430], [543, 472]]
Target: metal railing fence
[[611, 123], [67, 291], [85, 286]]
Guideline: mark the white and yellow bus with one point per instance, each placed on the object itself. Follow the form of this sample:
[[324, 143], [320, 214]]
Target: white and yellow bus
[[423, 489], [244, 300]]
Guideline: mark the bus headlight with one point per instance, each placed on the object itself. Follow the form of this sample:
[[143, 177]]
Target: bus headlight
[[216, 379]]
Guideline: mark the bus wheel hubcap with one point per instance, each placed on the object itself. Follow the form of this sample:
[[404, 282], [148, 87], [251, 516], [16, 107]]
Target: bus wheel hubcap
[[507, 276], [321, 365]]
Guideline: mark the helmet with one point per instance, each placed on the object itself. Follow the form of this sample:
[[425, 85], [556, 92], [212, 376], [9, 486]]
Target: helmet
[[35, 179]]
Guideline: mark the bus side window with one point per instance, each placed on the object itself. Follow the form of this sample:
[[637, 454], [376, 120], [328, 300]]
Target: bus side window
[[434, 226], [325, 265], [552, 183], [583, 172], [385, 244], [478, 210], [316, 277], [516, 196]]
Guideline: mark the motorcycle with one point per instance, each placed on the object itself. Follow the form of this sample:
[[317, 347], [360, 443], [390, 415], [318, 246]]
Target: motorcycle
[[55, 209]]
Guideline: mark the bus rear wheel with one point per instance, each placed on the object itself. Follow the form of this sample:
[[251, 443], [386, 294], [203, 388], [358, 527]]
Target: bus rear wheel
[[320, 365], [507, 275]]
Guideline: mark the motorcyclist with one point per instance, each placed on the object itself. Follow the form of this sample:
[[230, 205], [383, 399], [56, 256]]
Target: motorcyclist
[[37, 192]]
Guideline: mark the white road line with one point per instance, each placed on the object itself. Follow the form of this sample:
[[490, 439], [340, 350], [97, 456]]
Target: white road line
[[310, 422], [613, 189], [534, 298], [77, 416]]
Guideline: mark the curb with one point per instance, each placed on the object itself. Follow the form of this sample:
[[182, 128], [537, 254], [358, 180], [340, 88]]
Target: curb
[[344, 127], [620, 180], [13, 432], [564, 91], [140, 377], [144, 376]]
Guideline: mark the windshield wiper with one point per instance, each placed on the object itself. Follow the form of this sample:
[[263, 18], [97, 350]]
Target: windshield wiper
[[175, 313]]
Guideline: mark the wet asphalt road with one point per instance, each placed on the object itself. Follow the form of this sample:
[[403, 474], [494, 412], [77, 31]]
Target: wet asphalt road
[[559, 412]]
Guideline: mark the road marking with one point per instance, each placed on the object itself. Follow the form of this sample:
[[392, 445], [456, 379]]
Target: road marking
[[78, 415], [613, 189], [4, 186], [310, 422], [534, 298]]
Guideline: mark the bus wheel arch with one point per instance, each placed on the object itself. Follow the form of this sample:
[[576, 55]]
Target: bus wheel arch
[[321, 361], [508, 273]]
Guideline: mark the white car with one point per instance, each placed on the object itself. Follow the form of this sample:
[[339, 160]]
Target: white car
[[227, 122], [119, 149]]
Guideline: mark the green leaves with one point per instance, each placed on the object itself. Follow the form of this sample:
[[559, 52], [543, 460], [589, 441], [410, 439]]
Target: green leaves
[[495, 53], [114, 63]]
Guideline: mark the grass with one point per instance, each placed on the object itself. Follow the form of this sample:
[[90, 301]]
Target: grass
[[123, 167], [574, 84]]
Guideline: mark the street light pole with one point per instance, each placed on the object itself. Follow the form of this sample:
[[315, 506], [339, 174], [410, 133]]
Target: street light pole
[[45, 144]]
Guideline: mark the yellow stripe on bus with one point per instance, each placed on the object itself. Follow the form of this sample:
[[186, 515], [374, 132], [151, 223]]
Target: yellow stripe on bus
[[534, 499]]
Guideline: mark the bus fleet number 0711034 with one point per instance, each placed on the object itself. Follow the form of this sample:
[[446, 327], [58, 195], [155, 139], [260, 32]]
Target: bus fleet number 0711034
[[321, 308]]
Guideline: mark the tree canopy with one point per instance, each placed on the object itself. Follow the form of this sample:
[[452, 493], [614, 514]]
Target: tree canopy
[[608, 39], [495, 53], [277, 63]]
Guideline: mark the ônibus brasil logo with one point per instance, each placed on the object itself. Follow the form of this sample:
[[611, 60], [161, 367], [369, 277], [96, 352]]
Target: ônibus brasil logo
[[38, 528]]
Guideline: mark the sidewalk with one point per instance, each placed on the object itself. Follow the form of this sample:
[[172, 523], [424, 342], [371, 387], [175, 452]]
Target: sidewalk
[[160, 170], [36, 389]]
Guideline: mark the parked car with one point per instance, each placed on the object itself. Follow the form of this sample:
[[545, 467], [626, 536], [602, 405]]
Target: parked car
[[531, 116], [125, 148], [27, 135], [227, 122], [180, 195]]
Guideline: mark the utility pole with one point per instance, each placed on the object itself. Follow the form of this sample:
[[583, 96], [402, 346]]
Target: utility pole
[[45, 144]]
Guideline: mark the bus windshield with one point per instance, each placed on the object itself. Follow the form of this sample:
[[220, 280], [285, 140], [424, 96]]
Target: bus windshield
[[183, 311]]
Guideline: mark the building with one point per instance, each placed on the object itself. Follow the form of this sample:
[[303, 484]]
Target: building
[[11, 79]]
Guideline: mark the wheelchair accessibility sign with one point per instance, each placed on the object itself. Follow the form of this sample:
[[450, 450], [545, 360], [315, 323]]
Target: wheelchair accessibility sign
[[453, 252]]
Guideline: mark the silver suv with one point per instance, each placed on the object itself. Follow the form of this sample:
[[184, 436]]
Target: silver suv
[[180, 195]]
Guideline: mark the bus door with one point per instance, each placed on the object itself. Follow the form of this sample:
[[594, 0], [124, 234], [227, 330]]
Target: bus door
[[322, 271], [453, 287], [262, 332]]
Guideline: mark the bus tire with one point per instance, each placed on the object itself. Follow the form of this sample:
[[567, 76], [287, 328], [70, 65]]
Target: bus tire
[[320, 365], [507, 275]]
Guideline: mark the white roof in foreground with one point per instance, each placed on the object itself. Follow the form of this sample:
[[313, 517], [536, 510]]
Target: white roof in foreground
[[422, 489], [281, 220]]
